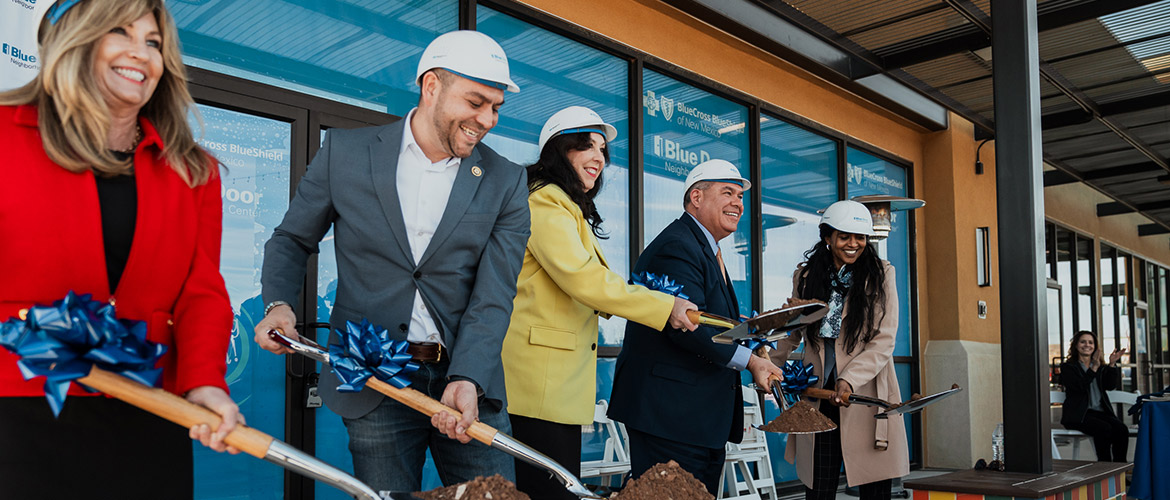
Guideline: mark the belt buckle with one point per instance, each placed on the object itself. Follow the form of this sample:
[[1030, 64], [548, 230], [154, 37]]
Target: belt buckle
[[438, 352]]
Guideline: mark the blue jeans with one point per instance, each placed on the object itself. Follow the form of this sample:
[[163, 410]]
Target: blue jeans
[[389, 444]]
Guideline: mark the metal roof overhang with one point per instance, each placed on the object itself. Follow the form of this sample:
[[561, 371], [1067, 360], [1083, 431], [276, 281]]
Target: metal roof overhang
[[1104, 64]]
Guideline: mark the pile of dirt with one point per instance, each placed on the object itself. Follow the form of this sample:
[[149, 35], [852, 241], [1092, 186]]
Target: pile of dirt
[[800, 417], [666, 481], [480, 488]]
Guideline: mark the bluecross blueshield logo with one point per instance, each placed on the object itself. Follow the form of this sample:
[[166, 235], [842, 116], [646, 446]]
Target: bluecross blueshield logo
[[22, 58]]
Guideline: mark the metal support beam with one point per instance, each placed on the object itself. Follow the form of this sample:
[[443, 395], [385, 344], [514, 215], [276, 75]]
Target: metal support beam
[[1152, 229], [931, 46], [1080, 116], [1020, 200], [1058, 178], [1113, 208]]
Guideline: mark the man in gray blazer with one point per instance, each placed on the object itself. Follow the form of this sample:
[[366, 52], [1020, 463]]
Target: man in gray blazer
[[430, 228]]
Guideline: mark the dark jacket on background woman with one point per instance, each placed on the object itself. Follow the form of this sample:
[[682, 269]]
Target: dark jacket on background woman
[[1076, 382]]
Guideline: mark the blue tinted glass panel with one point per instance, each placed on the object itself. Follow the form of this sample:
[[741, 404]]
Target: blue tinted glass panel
[[554, 72], [256, 153], [799, 177], [363, 52], [684, 126], [868, 174]]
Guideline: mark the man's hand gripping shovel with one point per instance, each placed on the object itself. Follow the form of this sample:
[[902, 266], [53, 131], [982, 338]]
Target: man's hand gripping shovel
[[479, 431]]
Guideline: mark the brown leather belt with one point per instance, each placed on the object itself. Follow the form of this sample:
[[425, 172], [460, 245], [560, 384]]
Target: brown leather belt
[[426, 352]]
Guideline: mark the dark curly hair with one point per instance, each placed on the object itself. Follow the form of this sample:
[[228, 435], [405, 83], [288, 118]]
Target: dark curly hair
[[1074, 355], [867, 294], [554, 168]]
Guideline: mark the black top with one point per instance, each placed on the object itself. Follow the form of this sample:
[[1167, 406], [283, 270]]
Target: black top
[[1076, 389], [119, 206]]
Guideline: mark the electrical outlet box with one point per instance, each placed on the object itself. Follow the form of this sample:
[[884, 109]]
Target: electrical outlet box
[[982, 309]]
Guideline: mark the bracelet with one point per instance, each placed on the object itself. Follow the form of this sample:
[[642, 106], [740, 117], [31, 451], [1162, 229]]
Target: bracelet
[[272, 305]]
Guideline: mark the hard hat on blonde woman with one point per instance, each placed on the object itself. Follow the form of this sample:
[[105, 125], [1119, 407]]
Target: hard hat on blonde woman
[[849, 216]]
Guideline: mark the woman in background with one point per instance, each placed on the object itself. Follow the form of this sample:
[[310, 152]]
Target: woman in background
[[104, 191], [1086, 378], [550, 351]]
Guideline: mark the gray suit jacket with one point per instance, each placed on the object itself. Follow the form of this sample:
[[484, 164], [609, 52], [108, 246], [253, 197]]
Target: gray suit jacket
[[467, 276]]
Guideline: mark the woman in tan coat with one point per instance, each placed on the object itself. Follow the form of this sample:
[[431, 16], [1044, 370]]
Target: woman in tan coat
[[851, 350]]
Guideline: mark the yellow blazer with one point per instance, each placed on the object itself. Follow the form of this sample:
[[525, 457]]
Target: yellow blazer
[[550, 351]]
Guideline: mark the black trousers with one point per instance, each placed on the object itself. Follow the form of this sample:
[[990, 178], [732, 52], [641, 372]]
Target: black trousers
[[98, 448], [561, 442], [1110, 435], [647, 450], [827, 461]]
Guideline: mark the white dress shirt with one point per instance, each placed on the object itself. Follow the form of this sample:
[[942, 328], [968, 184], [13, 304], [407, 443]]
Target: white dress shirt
[[423, 190]]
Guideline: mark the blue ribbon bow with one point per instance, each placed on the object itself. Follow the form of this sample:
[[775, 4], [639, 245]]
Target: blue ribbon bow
[[63, 342], [661, 283], [797, 377], [367, 350], [753, 343]]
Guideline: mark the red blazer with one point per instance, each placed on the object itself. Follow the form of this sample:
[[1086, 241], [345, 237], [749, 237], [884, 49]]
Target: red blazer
[[51, 242]]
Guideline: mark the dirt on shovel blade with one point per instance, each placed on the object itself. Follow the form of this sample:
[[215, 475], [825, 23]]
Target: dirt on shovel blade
[[480, 488], [800, 417], [666, 481]]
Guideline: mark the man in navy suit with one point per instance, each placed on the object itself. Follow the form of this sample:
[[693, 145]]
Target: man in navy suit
[[677, 391]]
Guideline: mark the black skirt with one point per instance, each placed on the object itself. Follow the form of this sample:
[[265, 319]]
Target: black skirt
[[98, 448]]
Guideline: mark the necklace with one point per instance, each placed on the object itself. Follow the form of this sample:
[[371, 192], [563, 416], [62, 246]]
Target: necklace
[[134, 145]]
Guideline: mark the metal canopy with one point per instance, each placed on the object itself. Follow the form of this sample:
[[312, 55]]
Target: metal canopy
[[1104, 78]]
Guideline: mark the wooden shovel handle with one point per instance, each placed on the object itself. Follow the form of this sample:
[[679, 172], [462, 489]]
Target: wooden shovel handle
[[698, 318], [814, 392], [479, 431], [175, 409]]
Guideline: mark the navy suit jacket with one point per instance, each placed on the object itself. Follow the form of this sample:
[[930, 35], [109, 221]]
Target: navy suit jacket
[[675, 384]]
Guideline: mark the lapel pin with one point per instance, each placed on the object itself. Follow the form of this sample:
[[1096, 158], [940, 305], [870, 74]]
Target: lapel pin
[[476, 171]]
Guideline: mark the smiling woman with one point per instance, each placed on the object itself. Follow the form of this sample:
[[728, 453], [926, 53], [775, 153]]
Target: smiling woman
[[99, 150]]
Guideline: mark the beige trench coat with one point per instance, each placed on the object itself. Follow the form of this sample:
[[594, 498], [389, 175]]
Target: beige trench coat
[[873, 449]]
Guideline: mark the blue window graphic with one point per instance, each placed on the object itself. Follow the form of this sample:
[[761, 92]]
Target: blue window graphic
[[684, 126]]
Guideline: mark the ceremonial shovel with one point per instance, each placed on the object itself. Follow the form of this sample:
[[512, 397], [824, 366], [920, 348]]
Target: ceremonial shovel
[[480, 431], [247, 439]]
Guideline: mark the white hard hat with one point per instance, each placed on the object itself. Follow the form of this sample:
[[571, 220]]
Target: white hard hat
[[849, 216], [471, 55], [575, 119], [716, 170]]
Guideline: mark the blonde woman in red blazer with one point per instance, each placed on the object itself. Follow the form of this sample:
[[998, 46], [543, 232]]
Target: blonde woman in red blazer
[[104, 191]]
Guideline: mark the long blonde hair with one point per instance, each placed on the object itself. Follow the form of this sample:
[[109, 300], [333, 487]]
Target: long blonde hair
[[72, 115]]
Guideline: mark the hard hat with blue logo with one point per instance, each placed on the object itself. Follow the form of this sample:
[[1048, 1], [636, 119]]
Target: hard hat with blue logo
[[471, 55], [849, 216], [718, 171], [575, 119]]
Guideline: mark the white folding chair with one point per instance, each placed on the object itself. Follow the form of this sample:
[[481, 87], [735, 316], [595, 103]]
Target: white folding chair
[[615, 459], [750, 483], [1069, 435]]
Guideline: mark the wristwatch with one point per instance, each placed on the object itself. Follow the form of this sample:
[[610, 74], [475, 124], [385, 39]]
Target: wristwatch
[[272, 305]]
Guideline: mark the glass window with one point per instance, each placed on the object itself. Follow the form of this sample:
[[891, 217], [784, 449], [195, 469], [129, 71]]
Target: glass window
[[257, 156], [554, 72], [1086, 307], [1108, 333], [798, 177], [868, 174], [358, 52], [1064, 275], [684, 126]]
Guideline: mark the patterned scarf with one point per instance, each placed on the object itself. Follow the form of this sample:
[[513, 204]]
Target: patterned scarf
[[839, 284]]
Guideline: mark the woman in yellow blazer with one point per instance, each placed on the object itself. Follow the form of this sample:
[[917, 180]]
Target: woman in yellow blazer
[[550, 351]]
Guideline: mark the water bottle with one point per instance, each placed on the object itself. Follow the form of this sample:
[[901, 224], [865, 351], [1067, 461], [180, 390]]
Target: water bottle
[[997, 443]]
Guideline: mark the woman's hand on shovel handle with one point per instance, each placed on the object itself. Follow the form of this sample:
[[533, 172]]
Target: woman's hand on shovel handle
[[844, 390], [460, 395], [218, 401]]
